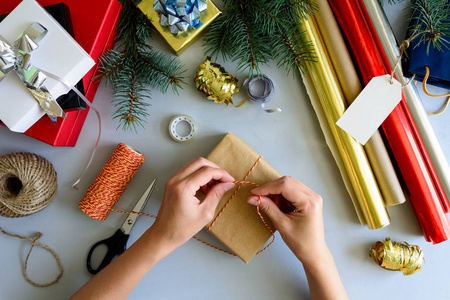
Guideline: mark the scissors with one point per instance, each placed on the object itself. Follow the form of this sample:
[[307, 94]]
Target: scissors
[[116, 244]]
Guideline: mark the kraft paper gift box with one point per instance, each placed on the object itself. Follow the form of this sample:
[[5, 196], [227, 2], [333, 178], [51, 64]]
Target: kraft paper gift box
[[94, 29], [58, 54], [239, 226], [181, 41]]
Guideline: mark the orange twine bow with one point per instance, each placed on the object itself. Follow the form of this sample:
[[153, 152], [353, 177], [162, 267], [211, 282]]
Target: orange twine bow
[[115, 176]]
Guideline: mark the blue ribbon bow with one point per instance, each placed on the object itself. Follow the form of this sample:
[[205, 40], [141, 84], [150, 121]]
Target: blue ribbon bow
[[180, 15], [17, 57]]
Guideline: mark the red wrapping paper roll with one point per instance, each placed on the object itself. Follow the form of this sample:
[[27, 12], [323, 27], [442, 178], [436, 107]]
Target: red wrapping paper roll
[[425, 192], [428, 162]]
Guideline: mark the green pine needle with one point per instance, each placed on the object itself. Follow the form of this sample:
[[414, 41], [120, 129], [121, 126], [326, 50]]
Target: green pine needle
[[252, 32], [432, 23], [135, 67]]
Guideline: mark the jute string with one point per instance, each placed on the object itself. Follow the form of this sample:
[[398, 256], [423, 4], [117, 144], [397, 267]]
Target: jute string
[[28, 184], [35, 242]]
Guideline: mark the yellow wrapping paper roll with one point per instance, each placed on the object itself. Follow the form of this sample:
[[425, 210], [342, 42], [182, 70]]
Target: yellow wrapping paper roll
[[369, 201], [375, 148]]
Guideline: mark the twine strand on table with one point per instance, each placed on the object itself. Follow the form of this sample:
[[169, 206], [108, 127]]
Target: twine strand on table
[[35, 242]]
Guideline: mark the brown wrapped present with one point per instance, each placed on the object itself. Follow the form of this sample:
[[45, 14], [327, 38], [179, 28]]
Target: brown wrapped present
[[238, 226]]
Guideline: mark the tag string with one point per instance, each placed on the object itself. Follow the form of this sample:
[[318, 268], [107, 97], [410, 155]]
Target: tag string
[[35, 242], [424, 85], [403, 47]]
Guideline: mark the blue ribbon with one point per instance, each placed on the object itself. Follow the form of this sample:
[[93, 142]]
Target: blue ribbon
[[180, 15], [17, 57]]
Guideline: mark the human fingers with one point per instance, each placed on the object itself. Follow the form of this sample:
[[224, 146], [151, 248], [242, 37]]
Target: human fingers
[[205, 188], [193, 166], [206, 175], [213, 197], [291, 189], [267, 206]]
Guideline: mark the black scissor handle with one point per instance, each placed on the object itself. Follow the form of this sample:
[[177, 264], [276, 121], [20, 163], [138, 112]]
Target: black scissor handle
[[116, 245]]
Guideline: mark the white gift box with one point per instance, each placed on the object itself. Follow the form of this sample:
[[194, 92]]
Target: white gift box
[[58, 54]]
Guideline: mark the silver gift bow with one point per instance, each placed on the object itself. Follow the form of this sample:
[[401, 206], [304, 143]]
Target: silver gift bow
[[180, 15], [17, 57]]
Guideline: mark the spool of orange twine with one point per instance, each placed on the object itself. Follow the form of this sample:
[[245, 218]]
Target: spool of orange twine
[[111, 182]]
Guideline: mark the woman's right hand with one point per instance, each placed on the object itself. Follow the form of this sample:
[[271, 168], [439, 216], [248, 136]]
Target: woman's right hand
[[302, 229]]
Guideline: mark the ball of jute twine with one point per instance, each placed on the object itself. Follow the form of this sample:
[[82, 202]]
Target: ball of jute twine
[[28, 184]]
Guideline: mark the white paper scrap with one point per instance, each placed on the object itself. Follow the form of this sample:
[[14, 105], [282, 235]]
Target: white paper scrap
[[372, 106]]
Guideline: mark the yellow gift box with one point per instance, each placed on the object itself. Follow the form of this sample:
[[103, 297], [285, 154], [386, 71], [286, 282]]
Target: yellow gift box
[[181, 41]]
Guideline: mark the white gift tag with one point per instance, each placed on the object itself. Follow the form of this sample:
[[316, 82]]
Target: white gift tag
[[372, 106]]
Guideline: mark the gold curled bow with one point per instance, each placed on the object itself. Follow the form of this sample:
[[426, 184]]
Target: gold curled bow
[[17, 57], [394, 256], [219, 85]]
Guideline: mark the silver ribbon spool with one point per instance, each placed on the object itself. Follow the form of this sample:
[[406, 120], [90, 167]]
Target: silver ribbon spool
[[256, 95]]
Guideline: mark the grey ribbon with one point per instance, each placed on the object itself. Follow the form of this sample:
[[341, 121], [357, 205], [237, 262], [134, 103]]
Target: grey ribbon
[[17, 57], [256, 96]]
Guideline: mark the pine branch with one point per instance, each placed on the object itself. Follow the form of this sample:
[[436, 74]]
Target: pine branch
[[135, 67], [252, 32], [431, 23]]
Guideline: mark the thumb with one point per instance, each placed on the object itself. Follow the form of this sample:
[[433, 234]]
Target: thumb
[[216, 193], [268, 207]]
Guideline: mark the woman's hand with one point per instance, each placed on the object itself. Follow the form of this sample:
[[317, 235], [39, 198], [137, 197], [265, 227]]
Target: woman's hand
[[303, 232], [302, 229], [182, 213]]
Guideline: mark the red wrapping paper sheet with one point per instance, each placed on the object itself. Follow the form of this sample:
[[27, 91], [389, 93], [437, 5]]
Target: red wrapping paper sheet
[[425, 191], [94, 26]]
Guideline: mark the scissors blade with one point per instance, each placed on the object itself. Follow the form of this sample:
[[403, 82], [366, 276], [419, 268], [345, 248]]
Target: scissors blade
[[131, 219]]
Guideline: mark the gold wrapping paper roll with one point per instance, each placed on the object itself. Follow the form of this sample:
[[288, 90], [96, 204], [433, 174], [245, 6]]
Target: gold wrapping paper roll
[[375, 148], [353, 156], [331, 143]]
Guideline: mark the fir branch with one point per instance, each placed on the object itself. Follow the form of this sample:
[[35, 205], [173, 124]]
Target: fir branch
[[135, 67], [431, 23], [128, 90], [160, 70], [252, 32]]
